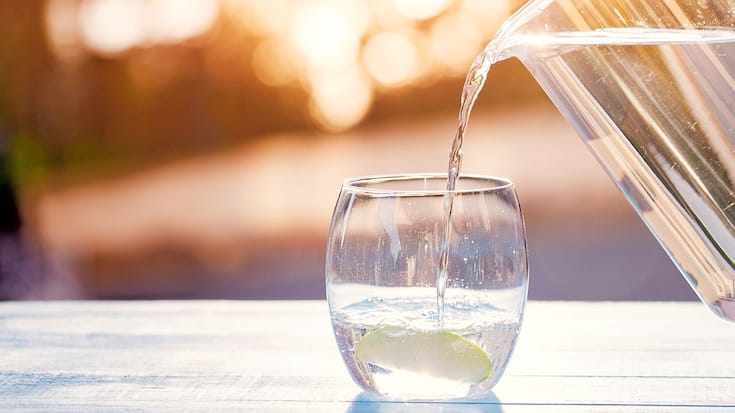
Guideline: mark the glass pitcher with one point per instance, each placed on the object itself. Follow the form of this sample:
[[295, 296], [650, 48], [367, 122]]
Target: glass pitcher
[[649, 85]]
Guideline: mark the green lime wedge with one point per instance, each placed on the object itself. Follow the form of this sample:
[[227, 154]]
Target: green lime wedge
[[441, 354]]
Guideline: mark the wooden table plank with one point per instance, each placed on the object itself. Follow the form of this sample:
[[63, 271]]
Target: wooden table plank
[[281, 356]]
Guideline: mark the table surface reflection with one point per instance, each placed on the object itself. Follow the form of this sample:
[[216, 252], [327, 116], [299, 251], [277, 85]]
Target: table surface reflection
[[275, 356]]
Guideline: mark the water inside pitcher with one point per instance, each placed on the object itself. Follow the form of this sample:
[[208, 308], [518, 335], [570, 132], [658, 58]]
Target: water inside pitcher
[[650, 87]]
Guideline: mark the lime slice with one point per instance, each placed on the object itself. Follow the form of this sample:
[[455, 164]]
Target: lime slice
[[441, 354]]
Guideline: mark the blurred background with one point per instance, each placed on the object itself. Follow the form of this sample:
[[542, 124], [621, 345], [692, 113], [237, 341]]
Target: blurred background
[[195, 148]]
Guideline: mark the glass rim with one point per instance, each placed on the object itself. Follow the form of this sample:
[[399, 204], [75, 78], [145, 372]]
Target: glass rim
[[364, 184]]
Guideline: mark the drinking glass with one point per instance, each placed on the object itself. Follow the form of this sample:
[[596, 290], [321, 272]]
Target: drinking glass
[[398, 337]]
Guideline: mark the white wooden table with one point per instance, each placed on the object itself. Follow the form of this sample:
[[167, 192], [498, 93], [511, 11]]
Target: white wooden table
[[281, 356]]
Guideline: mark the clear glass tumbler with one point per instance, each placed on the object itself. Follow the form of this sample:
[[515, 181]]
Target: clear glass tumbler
[[383, 262]]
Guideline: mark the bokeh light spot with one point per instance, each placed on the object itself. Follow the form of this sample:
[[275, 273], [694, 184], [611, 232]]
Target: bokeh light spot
[[272, 63], [175, 20], [262, 18], [340, 100], [113, 26], [391, 58], [323, 35], [456, 39], [489, 14], [422, 9], [62, 30]]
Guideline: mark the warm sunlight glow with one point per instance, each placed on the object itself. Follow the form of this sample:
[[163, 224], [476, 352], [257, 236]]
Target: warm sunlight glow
[[323, 35], [272, 63], [488, 14], [422, 9], [456, 40], [341, 100], [113, 26], [391, 58], [319, 46], [175, 20], [62, 29], [263, 18]]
